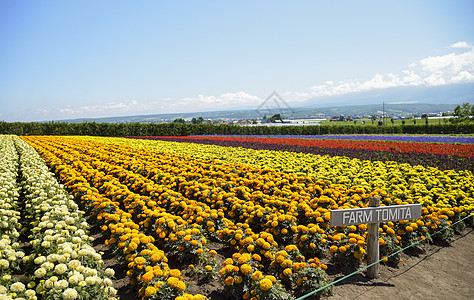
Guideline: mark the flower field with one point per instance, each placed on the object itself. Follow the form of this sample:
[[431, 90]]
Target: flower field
[[255, 221]]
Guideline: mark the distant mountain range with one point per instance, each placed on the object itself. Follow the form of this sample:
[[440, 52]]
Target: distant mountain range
[[395, 101]]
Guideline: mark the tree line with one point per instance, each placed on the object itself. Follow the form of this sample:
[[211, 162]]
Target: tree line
[[180, 129]]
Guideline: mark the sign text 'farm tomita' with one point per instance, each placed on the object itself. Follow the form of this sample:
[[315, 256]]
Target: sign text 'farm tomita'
[[345, 217]]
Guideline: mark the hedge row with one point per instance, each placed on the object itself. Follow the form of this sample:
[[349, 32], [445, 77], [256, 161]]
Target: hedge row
[[177, 129]]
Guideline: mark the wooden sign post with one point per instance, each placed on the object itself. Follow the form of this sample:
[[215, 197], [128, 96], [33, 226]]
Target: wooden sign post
[[372, 216], [373, 242]]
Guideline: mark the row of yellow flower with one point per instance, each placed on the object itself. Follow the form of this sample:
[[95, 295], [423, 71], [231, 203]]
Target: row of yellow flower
[[147, 264]]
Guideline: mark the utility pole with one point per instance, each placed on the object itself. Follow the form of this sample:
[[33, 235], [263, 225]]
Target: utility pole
[[383, 112]]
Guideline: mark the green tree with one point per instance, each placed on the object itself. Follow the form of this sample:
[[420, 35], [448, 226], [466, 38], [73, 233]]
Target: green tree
[[463, 113], [180, 120]]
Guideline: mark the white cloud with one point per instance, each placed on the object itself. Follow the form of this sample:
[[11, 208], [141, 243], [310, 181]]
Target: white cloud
[[97, 110], [224, 101], [460, 45]]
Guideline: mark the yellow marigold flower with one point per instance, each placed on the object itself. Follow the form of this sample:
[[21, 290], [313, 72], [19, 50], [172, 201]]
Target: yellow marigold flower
[[149, 291], [155, 257], [229, 280], [132, 246], [175, 273], [359, 254], [228, 261], [287, 272], [238, 279], [208, 268], [286, 263], [280, 259], [244, 258], [148, 276], [257, 275], [246, 269], [140, 260], [256, 257], [352, 228], [333, 249], [265, 284], [342, 249], [180, 286], [158, 272]]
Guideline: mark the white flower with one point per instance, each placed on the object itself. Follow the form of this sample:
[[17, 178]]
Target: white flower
[[30, 293], [4, 264], [61, 284], [52, 257], [48, 284], [48, 266], [74, 280], [110, 272], [45, 244], [3, 290], [69, 294], [73, 264], [40, 272], [108, 282], [91, 272], [17, 287], [112, 291], [60, 268], [40, 259], [90, 280]]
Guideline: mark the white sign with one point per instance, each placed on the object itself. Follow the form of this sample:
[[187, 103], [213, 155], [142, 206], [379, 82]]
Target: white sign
[[345, 217]]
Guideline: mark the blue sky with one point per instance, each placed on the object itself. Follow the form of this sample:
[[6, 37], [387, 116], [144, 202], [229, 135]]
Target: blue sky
[[71, 59]]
